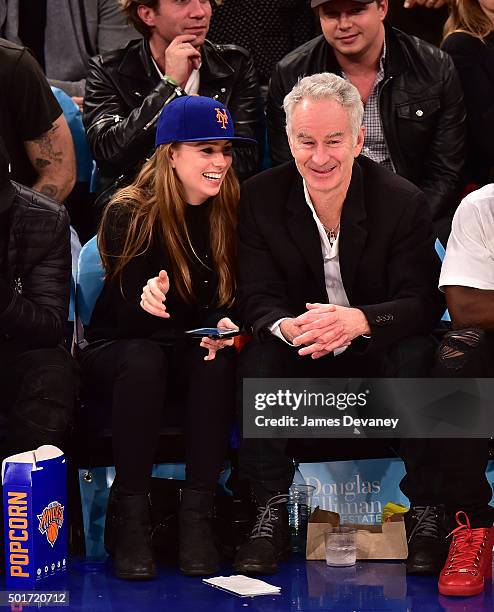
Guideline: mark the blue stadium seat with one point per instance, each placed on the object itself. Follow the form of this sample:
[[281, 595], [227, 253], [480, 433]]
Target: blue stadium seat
[[90, 280], [441, 252], [79, 202], [73, 116]]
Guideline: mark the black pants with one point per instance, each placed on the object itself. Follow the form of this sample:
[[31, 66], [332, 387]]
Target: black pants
[[452, 471], [38, 389], [135, 376], [265, 460]]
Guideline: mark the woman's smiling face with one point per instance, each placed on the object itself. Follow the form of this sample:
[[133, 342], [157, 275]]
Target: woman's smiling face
[[201, 167]]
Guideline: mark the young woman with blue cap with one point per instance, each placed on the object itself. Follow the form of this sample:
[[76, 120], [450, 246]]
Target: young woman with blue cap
[[167, 246]]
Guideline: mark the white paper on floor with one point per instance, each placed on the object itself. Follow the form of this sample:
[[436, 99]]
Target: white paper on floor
[[243, 586]]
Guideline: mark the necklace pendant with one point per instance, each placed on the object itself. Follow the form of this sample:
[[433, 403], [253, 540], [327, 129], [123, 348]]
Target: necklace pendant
[[331, 233], [332, 237]]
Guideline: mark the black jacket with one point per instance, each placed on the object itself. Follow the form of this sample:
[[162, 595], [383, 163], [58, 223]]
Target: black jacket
[[421, 108], [35, 286], [125, 95], [388, 264], [474, 60]]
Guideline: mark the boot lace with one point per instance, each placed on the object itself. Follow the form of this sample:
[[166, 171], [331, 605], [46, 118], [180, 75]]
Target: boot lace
[[266, 517], [466, 548], [427, 522]]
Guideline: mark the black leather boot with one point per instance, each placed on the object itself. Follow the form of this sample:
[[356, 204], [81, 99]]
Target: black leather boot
[[269, 540], [128, 535], [427, 545], [198, 555]]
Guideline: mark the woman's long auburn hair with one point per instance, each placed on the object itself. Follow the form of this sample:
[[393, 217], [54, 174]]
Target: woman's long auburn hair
[[155, 203], [468, 17]]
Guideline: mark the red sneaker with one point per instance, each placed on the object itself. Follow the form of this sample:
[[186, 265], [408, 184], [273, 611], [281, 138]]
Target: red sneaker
[[468, 568]]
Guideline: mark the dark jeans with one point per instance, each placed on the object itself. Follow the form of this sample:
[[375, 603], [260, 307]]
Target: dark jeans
[[265, 460], [135, 377], [39, 389], [452, 472]]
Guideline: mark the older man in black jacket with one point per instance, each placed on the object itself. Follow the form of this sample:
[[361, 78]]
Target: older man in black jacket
[[337, 278], [126, 89], [414, 112], [38, 378]]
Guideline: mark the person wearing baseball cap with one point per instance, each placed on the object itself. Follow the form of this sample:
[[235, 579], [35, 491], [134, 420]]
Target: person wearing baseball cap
[[167, 246], [127, 88], [414, 111]]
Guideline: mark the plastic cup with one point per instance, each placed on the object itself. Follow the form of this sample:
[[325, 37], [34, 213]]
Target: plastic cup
[[341, 546], [299, 504]]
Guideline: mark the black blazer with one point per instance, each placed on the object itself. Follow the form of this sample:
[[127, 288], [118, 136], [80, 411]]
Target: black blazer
[[387, 258]]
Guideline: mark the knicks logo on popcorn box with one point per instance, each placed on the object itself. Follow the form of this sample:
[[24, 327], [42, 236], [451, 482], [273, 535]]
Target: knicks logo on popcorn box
[[35, 529], [50, 521]]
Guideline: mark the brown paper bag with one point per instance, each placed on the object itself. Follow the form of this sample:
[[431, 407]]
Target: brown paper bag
[[383, 542]]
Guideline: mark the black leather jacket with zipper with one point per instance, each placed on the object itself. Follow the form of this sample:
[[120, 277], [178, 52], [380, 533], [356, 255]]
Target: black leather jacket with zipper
[[125, 94]]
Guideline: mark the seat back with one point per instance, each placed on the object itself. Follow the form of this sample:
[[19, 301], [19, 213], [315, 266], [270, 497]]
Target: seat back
[[90, 281], [441, 252]]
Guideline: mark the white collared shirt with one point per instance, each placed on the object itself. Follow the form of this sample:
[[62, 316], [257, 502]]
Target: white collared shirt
[[193, 82], [332, 274]]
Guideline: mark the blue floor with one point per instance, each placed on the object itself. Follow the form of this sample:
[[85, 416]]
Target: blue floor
[[305, 585]]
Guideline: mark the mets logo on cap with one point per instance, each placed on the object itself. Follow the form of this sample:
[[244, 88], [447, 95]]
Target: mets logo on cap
[[221, 117], [51, 521]]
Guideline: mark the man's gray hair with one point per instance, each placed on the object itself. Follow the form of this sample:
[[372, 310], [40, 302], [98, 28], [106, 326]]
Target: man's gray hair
[[326, 86]]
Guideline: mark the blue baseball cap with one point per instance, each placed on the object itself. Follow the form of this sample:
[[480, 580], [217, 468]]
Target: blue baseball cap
[[196, 119]]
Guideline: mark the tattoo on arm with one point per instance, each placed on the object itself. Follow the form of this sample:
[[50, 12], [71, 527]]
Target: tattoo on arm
[[49, 190], [47, 153], [41, 163], [52, 158]]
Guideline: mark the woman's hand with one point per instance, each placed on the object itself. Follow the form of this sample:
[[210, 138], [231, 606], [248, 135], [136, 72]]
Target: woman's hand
[[215, 345], [154, 295]]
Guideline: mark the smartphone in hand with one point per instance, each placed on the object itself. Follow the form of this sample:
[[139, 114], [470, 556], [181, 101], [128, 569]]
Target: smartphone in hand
[[216, 333]]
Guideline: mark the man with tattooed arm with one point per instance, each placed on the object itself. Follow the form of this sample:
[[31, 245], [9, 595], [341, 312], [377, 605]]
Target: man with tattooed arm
[[33, 127]]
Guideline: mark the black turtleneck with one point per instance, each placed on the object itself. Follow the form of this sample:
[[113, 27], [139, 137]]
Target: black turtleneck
[[204, 280]]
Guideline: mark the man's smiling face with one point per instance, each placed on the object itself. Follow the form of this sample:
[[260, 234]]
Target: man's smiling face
[[323, 145], [350, 27]]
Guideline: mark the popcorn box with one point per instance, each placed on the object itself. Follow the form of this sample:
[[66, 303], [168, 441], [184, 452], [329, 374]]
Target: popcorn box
[[35, 521]]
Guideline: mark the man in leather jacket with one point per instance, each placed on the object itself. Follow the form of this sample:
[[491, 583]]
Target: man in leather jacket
[[414, 111], [127, 88], [38, 378]]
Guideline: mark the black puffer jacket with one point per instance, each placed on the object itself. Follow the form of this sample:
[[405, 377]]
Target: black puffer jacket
[[421, 107], [125, 95], [35, 290]]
